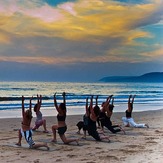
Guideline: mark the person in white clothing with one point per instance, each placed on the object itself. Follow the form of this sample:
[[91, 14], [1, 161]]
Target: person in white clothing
[[40, 121], [128, 120]]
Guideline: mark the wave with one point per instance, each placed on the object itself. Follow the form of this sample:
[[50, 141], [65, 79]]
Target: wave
[[17, 89]]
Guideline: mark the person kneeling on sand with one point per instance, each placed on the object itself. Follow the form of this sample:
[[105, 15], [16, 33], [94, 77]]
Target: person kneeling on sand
[[61, 126], [93, 114], [128, 120], [105, 116], [26, 130], [39, 120], [84, 124]]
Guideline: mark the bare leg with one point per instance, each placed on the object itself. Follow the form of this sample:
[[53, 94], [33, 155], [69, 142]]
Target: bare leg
[[84, 134], [122, 129], [20, 138], [34, 128], [54, 128], [102, 137], [36, 146], [78, 132], [67, 141], [44, 125]]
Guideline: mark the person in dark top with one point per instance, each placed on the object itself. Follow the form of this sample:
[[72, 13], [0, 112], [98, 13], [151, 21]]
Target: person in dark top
[[105, 116], [84, 124], [61, 118], [128, 120], [93, 114]]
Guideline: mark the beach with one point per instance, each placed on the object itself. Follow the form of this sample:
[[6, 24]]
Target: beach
[[138, 145]]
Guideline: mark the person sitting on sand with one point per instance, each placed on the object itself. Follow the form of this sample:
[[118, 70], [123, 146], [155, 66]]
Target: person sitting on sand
[[128, 120], [61, 126], [92, 128], [105, 116], [39, 120], [26, 130]]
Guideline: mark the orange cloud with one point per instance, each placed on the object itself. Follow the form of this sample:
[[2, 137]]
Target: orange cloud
[[94, 22]]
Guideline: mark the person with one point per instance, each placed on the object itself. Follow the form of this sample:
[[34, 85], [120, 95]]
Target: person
[[105, 116], [26, 130], [128, 120], [92, 118], [61, 126], [39, 120]]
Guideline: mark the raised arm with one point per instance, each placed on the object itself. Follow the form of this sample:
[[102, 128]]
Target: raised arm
[[30, 104], [39, 102], [96, 100], [23, 109], [112, 101], [133, 98], [91, 104], [55, 103], [86, 107], [106, 104], [64, 98], [109, 98], [129, 99], [130, 105]]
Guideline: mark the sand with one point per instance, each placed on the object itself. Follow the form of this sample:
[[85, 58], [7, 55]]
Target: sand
[[139, 145]]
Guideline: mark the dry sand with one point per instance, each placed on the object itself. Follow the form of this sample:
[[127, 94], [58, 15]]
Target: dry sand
[[139, 145]]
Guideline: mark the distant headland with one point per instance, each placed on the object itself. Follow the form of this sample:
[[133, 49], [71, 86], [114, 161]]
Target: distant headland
[[148, 77]]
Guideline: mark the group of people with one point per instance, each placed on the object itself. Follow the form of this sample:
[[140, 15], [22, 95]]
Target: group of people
[[93, 115]]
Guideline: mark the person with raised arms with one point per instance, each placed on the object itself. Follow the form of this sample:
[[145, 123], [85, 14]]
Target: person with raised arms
[[61, 127], [128, 120]]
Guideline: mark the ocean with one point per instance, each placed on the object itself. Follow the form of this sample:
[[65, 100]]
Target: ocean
[[149, 96]]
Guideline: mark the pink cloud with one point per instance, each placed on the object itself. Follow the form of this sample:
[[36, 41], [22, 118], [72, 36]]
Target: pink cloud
[[43, 12]]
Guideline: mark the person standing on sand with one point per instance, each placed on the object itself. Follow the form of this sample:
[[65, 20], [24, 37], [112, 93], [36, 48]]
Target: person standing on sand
[[39, 120], [92, 128], [26, 130], [128, 120], [61, 126]]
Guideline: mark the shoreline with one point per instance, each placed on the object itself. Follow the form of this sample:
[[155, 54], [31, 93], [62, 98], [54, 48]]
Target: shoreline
[[16, 113], [138, 145]]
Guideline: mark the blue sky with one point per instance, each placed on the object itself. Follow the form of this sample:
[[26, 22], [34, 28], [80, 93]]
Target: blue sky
[[79, 40]]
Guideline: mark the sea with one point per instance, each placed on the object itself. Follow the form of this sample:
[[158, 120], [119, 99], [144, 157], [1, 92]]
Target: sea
[[149, 96]]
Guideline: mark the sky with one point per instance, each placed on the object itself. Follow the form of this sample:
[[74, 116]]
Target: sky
[[79, 40]]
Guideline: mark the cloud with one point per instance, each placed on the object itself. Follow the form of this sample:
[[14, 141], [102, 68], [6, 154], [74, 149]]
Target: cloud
[[154, 55], [83, 31]]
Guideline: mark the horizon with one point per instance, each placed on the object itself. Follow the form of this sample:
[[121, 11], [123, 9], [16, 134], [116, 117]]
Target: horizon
[[79, 40], [98, 81]]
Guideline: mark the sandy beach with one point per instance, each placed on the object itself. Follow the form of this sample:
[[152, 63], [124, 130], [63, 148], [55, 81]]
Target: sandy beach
[[139, 145]]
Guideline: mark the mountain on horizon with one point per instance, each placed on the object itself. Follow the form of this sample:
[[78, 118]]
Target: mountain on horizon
[[148, 77]]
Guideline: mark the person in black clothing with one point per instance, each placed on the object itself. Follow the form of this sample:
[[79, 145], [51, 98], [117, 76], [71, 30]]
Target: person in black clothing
[[61, 126], [105, 116], [84, 124], [93, 114]]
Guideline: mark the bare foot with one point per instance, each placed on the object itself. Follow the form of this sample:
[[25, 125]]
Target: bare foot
[[54, 141], [127, 125], [83, 137], [18, 144], [46, 131], [122, 130], [77, 141], [147, 125]]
